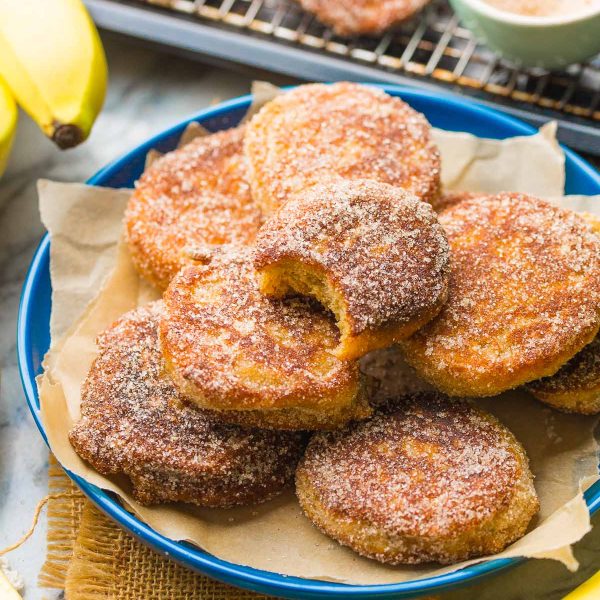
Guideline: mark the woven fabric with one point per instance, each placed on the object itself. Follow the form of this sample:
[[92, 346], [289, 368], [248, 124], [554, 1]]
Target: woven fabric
[[64, 515], [110, 564], [92, 559]]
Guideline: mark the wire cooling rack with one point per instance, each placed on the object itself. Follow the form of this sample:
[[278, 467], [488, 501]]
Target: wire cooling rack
[[432, 50]]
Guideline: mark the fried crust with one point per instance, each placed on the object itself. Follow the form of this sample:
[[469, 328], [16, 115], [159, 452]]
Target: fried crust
[[373, 254], [575, 387], [134, 421], [448, 199], [592, 220], [390, 377], [428, 479], [319, 132], [195, 195], [524, 296], [370, 17], [229, 348]]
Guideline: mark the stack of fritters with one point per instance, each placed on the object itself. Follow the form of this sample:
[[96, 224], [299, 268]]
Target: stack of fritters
[[290, 248]]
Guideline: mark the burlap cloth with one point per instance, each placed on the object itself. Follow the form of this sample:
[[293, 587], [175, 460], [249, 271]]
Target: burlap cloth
[[91, 558]]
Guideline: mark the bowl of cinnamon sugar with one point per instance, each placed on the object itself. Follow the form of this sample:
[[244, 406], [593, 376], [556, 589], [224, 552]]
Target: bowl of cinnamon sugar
[[547, 34]]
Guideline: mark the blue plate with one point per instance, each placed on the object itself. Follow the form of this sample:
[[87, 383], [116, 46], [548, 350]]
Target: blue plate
[[446, 112]]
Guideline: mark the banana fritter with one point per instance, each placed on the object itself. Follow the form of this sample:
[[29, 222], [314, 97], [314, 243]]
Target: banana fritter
[[426, 479], [371, 17], [448, 199], [134, 421], [316, 133], [373, 254], [258, 361], [575, 387], [390, 377], [524, 296], [198, 194]]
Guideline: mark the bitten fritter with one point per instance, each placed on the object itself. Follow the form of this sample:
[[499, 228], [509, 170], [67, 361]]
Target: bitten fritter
[[373, 254], [134, 421], [427, 479], [317, 133], [195, 195], [524, 296], [258, 361]]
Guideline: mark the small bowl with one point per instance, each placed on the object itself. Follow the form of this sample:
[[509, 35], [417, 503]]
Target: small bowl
[[551, 42]]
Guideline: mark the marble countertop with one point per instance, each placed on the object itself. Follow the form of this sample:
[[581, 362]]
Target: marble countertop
[[148, 91]]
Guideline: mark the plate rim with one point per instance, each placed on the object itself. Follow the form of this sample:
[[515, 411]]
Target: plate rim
[[233, 573]]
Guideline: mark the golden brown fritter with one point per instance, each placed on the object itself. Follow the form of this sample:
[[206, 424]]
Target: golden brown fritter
[[372, 254], [448, 199], [229, 348], [575, 387], [370, 17], [592, 220], [317, 133], [524, 296], [134, 421], [427, 479], [197, 194], [390, 377]]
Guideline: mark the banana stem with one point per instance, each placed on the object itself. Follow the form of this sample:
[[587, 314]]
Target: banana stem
[[66, 135]]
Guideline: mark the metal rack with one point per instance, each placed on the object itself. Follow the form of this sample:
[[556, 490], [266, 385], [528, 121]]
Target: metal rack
[[432, 51]]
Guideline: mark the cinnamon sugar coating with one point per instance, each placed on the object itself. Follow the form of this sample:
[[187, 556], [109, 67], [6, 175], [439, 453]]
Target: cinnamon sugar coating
[[427, 479], [389, 376], [231, 349], [592, 220], [351, 17], [575, 387], [448, 199], [524, 296], [373, 254], [134, 421], [197, 194], [316, 133]]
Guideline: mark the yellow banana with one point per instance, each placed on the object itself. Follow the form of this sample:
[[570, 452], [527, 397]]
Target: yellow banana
[[7, 591], [590, 590], [52, 59], [8, 123]]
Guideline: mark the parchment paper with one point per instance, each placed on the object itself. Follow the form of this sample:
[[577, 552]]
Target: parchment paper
[[276, 536]]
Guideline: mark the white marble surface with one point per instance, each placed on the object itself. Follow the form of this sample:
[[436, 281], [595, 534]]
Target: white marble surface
[[148, 91]]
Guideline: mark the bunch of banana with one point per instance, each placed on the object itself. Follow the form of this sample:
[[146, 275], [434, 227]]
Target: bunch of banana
[[52, 61]]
